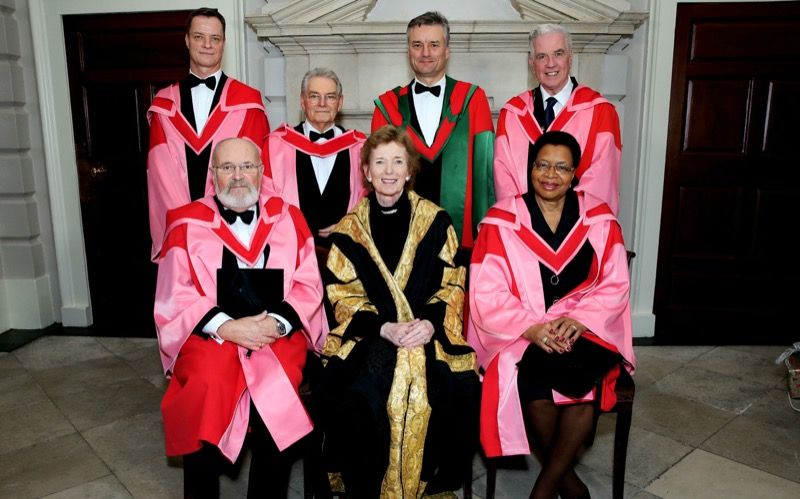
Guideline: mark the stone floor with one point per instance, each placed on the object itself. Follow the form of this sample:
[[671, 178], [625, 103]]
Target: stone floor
[[79, 418]]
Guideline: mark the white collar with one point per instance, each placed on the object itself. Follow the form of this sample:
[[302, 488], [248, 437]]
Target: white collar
[[562, 96]]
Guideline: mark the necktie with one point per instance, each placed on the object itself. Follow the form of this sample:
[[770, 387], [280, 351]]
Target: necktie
[[549, 112], [324, 135], [230, 216], [420, 88], [193, 81]]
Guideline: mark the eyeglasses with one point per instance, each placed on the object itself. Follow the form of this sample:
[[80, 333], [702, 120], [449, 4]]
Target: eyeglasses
[[229, 168], [316, 98], [560, 168], [558, 55]]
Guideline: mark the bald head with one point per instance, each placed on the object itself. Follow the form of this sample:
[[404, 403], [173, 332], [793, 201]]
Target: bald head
[[235, 146], [237, 173]]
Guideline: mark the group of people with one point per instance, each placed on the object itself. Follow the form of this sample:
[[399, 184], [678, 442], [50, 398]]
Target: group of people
[[440, 316]]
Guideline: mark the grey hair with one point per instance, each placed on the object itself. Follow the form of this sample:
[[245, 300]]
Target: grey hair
[[543, 29], [431, 18], [322, 73]]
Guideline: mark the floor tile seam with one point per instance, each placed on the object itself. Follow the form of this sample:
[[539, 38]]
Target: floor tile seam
[[138, 374], [711, 451], [750, 465], [65, 365], [676, 463], [110, 473], [99, 456], [49, 439], [687, 444], [750, 419], [725, 425], [49, 399], [89, 388]]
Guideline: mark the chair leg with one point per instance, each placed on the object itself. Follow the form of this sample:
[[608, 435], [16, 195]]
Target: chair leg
[[491, 477], [622, 431], [468, 482]]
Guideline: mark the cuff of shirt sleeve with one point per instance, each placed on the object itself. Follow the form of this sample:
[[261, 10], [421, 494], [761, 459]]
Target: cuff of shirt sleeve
[[213, 325]]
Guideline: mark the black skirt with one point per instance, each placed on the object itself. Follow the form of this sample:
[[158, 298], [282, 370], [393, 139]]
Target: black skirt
[[571, 373]]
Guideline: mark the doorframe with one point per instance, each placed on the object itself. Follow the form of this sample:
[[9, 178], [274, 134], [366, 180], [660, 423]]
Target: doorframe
[[652, 162], [53, 91]]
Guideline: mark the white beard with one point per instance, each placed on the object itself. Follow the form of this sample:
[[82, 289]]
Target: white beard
[[240, 202]]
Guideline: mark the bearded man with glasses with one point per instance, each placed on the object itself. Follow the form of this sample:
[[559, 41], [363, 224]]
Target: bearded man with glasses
[[238, 304], [558, 103]]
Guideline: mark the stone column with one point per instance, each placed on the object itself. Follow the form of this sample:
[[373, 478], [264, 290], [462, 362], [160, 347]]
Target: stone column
[[26, 294]]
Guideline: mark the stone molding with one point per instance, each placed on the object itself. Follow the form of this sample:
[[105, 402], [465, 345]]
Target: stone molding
[[311, 27]]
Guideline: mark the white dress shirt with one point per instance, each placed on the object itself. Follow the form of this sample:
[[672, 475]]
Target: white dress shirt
[[202, 97], [429, 109], [322, 166], [561, 97]]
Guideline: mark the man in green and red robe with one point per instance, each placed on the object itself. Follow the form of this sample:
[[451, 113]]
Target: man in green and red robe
[[450, 124]]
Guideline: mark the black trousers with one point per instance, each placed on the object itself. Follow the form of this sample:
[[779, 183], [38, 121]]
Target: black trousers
[[269, 467]]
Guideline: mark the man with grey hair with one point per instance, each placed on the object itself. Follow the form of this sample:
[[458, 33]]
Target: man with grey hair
[[450, 124], [238, 303], [315, 165], [558, 103]]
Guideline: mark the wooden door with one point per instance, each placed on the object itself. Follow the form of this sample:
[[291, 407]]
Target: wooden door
[[116, 63], [726, 266]]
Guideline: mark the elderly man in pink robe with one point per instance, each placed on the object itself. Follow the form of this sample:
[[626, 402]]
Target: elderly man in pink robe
[[238, 304], [558, 103], [316, 165]]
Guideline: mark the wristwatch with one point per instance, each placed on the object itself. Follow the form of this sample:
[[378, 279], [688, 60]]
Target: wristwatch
[[280, 327]]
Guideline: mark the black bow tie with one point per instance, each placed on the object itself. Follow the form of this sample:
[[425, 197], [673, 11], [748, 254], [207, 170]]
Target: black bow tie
[[324, 135], [193, 81], [230, 216], [420, 88]]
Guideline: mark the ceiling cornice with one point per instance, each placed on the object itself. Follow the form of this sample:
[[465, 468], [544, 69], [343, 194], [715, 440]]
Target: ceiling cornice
[[340, 27]]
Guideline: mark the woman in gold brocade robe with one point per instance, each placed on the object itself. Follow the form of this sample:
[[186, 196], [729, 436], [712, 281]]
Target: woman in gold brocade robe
[[400, 391]]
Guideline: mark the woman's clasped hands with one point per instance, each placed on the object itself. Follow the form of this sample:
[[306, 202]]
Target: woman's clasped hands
[[557, 335], [409, 334]]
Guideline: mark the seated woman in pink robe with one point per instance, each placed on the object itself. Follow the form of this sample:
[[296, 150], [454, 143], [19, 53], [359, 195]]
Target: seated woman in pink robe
[[549, 317]]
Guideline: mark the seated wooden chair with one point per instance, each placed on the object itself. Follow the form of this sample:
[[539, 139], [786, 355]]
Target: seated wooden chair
[[625, 390]]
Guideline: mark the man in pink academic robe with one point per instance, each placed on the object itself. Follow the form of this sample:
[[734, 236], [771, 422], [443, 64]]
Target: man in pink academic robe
[[316, 165], [506, 298], [188, 118], [558, 103], [235, 357]]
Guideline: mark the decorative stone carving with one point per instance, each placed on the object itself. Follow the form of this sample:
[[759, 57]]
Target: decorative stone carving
[[341, 27]]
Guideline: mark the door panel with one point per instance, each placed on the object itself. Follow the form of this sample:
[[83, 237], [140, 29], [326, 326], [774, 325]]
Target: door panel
[[717, 115], [724, 270]]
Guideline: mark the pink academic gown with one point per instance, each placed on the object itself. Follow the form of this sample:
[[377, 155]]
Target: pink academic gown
[[239, 113], [589, 117], [506, 298], [186, 291], [280, 160]]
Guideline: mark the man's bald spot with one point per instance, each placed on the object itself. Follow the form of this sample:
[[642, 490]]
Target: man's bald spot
[[231, 144]]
